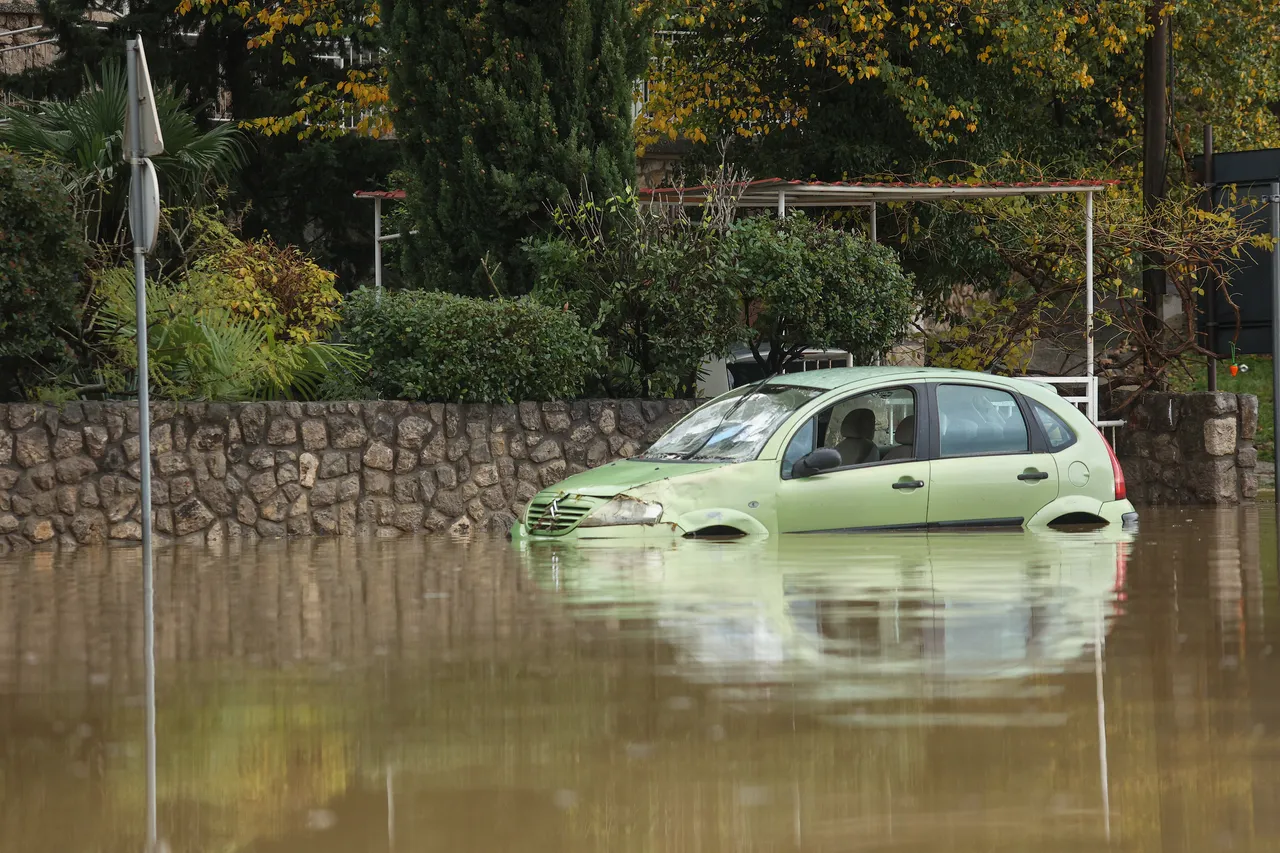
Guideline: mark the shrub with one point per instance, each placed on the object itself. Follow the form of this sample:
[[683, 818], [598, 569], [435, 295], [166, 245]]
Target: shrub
[[199, 350], [651, 281], [281, 286], [41, 253], [803, 284], [445, 348]]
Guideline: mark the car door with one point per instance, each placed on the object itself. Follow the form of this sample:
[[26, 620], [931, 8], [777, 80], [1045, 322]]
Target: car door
[[887, 492], [988, 469]]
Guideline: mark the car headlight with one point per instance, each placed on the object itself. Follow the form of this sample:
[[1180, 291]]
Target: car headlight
[[623, 510]]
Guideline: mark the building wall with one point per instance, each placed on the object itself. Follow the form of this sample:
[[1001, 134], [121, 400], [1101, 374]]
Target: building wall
[[20, 16]]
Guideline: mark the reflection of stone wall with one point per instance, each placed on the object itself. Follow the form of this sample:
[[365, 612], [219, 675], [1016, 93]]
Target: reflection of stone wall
[[1190, 448], [242, 470]]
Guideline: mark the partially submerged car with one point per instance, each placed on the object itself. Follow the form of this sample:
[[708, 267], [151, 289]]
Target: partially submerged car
[[849, 450]]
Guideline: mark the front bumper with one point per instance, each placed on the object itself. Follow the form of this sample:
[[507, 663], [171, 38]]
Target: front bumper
[[630, 532]]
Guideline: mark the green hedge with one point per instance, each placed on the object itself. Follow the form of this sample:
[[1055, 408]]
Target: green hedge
[[439, 347], [41, 252]]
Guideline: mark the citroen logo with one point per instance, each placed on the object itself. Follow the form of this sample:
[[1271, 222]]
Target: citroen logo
[[554, 509]]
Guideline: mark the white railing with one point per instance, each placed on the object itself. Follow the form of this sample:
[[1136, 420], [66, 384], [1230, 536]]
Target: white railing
[[1087, 399]]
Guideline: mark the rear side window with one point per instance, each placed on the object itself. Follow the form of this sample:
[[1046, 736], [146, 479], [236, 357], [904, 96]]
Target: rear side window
[[974, 420], [1060, 435]]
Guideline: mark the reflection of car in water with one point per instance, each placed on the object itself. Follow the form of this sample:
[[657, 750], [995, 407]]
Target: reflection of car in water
[[863, 621]]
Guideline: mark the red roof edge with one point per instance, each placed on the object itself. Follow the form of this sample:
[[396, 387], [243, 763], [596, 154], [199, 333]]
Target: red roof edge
[[392, 194]]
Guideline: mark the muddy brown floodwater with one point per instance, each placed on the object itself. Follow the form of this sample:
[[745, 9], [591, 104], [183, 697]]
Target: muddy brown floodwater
[[961, 692]]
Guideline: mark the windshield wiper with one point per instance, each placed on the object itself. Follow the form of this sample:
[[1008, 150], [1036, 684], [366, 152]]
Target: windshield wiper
[[725, 416]]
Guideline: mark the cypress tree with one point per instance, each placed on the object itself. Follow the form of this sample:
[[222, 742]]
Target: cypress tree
[[503, 107]]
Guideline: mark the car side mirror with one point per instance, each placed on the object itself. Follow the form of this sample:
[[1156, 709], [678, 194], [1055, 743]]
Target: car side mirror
[[822, 459]]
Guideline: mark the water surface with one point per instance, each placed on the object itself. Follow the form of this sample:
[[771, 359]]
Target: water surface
[[961, 692]]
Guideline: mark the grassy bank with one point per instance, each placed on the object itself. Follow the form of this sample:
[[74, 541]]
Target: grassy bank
[[1256, 380]]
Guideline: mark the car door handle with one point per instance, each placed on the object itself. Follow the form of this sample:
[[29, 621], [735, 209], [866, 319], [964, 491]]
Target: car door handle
[[909, 484], [1033, 475]]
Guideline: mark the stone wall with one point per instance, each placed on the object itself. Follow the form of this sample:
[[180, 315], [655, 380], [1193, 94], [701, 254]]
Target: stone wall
[[1190, 448], [70, 475]]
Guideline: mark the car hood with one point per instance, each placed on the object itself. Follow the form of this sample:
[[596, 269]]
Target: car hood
[[617, 477]]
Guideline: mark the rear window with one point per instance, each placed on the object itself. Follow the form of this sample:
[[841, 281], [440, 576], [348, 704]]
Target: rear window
[[1055, 429]]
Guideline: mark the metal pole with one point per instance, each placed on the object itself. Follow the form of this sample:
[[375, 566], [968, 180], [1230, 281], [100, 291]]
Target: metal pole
[[1211, 296], [134, 116], [1088, 307], [873, 223], [1275, 298], [782, 203], [1102, 722], [377, 245]]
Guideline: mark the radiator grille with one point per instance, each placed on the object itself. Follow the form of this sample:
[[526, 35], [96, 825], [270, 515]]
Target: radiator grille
[[568, 511]]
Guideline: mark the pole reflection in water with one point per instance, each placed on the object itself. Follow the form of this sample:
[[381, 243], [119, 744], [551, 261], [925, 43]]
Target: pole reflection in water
[[961, 692]]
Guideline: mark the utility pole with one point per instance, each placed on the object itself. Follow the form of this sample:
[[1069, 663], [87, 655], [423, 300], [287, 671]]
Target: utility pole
[[1155, 122]]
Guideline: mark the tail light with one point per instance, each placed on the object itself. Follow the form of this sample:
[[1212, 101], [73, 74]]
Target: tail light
[[1121, 491]]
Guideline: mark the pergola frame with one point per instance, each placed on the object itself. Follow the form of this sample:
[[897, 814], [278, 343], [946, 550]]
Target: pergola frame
[[779, 194]]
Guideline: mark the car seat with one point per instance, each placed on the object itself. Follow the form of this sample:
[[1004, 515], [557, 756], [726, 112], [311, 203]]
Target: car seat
[[905, 436], [857, 445]]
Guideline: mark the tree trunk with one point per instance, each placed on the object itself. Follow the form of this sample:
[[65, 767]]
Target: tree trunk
[[1154, 145]]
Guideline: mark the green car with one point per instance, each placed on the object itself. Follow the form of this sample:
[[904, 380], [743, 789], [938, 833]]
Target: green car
[[851, 450]]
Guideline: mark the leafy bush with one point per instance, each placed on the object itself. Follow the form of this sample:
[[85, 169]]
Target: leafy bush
[[651, 281], [292, 296], [803, 284], [197, 349], [40, 256], [441, 347]]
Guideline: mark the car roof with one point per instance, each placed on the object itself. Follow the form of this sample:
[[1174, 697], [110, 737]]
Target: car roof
[[831, 378]]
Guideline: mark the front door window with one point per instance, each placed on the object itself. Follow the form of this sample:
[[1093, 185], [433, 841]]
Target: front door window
[[877, 426]]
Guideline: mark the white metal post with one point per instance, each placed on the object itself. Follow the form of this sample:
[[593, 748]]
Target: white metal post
[[873, 223], [1088, 307], [134, 117], [782, 203], [1275, 297], [377, 245]]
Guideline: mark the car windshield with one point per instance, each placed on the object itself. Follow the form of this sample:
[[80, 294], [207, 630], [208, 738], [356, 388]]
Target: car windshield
[[735, 427]]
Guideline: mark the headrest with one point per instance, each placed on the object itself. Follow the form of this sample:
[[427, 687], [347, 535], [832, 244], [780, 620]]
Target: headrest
[[860, 423], [906, 431]]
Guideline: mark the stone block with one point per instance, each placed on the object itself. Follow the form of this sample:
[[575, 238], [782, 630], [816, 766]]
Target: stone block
[[162, 519], [208, 437], [95, 440], [75, 469], [379, 456], [274, 508], [253, 420], [126, 531], [376, 482], [409, 518], [261, 485], [191, 516], [412, 432], [299, 525], [169, 464], [282, 431], [1248, 484], [22, 415], [31, 447], [89, 495], [67, 499], [448, 502], [406, 461], [530, 416], [332, 464], [325, 520], [308, 466], [1248, 404], [1220, 434], [69, 442], [8, 523], [246, 511], [406, 489], [271, 529], [546, 450], [346, 432], [434, 450], [90, 527], [337, 490], [315, 435], [1246, 456], [216, 496], [180, 488], [552, 472]]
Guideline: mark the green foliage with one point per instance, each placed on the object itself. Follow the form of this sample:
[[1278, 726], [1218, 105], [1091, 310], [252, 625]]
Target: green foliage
[[40, 257], [650, 281], [291, 295], [802, 284], [440, 347], [502, 109], [83, 139], [200, 350]]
